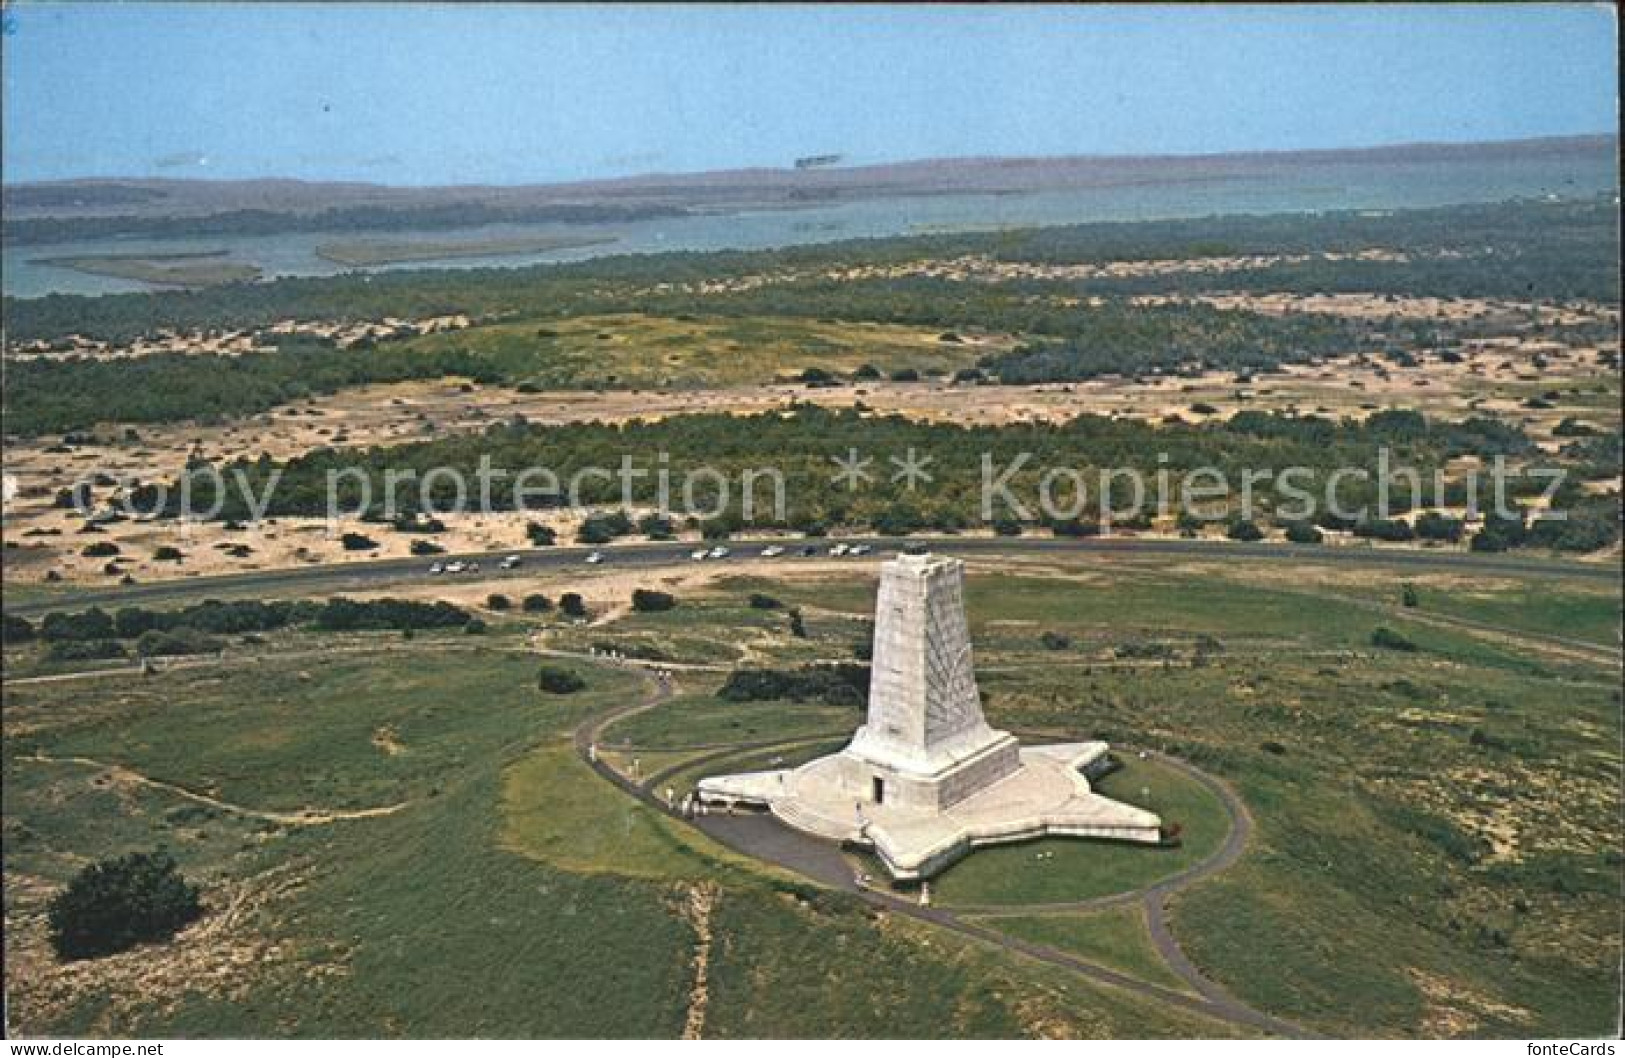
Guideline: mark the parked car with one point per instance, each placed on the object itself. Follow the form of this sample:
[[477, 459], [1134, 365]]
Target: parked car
[[595, 558]]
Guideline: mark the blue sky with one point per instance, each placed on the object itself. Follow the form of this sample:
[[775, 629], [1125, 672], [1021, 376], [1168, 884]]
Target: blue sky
[[415, 94]]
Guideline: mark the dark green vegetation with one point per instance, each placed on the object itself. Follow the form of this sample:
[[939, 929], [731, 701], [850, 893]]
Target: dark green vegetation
[[368, 252], [803, 443], [1518, 250], [113, 905]]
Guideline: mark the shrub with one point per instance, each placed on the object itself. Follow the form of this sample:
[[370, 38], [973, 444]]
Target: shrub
[[426, 547], [113, 905], [907, 374], [798, 627], [1388, 639], [540, 535], [15, 628], [1408, 596], [167, 553], [357, 542], [1055, 641], [100, 549], [647, 601], [1302, 533], [84, 650], [1006, 526], [839, 684], [572, 605], [758, 601], [816, 376], [536, 602], [1431, 525], [474, 627], [497, 601], [554, 679], [866, 373], [1243, 530], [93, 623]]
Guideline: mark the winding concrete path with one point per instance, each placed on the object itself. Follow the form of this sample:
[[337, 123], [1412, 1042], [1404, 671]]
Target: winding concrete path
[[761, 837]]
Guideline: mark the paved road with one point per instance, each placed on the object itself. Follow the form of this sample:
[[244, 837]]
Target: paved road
[[371, 574], [761, 837]]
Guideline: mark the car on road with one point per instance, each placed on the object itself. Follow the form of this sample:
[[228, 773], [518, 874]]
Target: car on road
[[595, 558], [437, 569], [454, 566], [859, 549], [772, 551], [809, 551], [511, 562], [699, 556], [719, 552], [837, 551]]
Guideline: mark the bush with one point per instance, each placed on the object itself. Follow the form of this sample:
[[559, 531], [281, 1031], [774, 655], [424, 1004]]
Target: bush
[[1388, 639], [1302, 533], [536, 602], [15, 628], [839, 684], [167, 554], [100, 549], [1244, 530], [83, 650], [1408, 596], [426, 547], [1006, 526], [474, 627], [572, 605], [1055, 641], [554, 679], [1431, 525], [181, 641], [93, 623], [907, 374], [540, 535], [646, 601], [357, 542], [115, 904], [497, 601], [758, 601]]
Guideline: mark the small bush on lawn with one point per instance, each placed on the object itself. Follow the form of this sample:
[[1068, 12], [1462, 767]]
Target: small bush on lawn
[[114, 904], [555, 680]]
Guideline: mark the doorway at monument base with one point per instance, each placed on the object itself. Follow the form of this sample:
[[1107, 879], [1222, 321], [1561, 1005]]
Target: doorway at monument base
[[846, 797]]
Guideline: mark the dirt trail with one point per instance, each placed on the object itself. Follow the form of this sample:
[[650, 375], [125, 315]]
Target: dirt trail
[[701, 902], [305, 817]]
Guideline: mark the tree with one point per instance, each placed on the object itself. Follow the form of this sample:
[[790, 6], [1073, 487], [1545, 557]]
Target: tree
[[114, 904], [497, 601], [426, 547], [540, 535], [758, 601], [536, 602], [647, 601], [797, 627], [554, 679], [1408, 596], [572, 605], [358, 542], [166, 553]]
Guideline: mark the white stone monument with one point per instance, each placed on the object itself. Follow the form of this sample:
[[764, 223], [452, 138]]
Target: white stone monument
[[929, 778]]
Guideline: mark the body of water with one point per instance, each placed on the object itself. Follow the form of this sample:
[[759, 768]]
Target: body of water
[[1281, 189]]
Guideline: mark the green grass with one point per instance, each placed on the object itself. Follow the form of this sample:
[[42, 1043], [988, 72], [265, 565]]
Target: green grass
[[1115, 937], [1057, 870], [701, 720], [655, 351], [1435, 848]]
